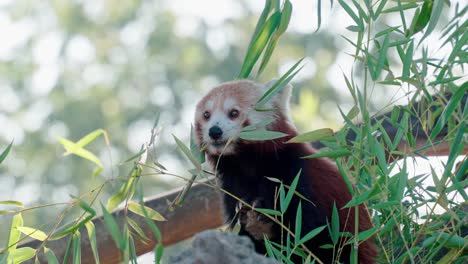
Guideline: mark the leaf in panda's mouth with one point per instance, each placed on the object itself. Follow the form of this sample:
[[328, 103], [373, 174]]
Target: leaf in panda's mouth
[[261, 135]]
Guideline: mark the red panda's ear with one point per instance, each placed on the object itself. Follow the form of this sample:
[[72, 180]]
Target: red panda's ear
[[282, 98]]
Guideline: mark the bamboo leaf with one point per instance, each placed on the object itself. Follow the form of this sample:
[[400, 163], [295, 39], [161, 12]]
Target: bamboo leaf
[[76, 248], [261, 135], [283, 25], [137, 229], [137, 209], [312, 234], [291, 191], [452, 104], [32, 232], [11, 202], [268, 211], [330, 154], [92, 240], [278, 85], [20, 255], [91, 137], [312, 136], [335, 225], [186, 151], [51, 258], [434, 17], [5, 152], [408, 59], [423, 17], [15, 234], [298, 227], [112, 226], [74, 148], [402, 7], [259, 44], [158, 253], [350, 12]]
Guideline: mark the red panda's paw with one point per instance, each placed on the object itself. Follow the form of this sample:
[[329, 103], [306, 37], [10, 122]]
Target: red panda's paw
[[255, 223]]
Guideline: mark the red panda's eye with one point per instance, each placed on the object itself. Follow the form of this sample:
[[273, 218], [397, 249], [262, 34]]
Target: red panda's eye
[[206, 115], [233, 113]]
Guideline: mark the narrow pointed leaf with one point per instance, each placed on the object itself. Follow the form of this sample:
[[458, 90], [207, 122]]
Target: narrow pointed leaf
[[312, 136], [136, 208], [5, 152]]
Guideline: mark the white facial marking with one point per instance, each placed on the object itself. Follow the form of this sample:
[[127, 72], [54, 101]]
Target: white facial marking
[[209, 104], [229, 103]]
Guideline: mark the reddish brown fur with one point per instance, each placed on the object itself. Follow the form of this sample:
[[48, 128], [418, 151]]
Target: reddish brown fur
[[323, 178]]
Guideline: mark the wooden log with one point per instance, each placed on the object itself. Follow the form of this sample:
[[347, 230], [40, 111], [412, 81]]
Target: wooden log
[[200, 211]]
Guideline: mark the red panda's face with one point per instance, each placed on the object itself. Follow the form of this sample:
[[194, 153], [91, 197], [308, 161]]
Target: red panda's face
[[222, 114]]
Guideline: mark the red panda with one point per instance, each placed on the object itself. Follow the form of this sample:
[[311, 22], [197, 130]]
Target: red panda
[[242, 168]]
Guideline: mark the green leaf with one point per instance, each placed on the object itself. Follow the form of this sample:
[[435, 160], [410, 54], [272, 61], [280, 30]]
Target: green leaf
[[22, 254], [137, 209], [76, 248], [283, 25], [261, 135], [258, 126], [15, 234], [350, 12], [32, 232], [423, 17], [195, 149], [261, 21], [379, 9], [312, 234], [151, 224], [259, 44], [333, 154], [112, 227], [51, 258], [186, 151], [5, 152], [115, 200], [298, 227], [279, 85], [359, 199], [141, 152], [292, 189], [335, 225], [319, 16], [92, 240], [84, 205], [268, 211], [382, 58], [400, 8], [312, 136], [74, 148], [11, 202], [137, 229], [434, 17], [408, 59], [452, 104], [158, 253], [91, 137], [353, 112]]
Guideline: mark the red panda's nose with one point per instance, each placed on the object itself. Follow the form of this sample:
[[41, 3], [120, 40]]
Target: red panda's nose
[[215, 132]]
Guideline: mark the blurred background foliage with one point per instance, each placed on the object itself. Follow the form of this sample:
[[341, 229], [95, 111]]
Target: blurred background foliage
[[70, 67]]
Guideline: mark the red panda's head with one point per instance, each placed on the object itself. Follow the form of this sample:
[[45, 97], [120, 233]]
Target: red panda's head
[[221, 115]]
